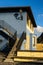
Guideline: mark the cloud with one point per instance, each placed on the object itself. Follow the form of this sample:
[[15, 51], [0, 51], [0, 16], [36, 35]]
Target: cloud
[[39, 29], [40, 15]]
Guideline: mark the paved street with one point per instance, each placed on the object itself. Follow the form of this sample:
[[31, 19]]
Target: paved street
[[20, 63]]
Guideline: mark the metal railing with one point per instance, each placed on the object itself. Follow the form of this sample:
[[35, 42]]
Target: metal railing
[[23, 36]]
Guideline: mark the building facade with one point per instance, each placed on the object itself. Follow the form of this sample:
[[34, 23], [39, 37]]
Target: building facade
[[22, 20]]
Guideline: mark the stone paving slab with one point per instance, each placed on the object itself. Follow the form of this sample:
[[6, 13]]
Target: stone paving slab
[[19, 63]]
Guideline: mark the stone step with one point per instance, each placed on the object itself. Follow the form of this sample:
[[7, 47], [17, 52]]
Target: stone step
[[27, 59], [9, 60], [11, 53]]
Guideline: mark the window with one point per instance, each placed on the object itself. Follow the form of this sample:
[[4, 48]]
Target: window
[[34, 41], [31, 26]]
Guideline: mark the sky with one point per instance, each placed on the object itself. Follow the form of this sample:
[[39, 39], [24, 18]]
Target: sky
[[36, 6]]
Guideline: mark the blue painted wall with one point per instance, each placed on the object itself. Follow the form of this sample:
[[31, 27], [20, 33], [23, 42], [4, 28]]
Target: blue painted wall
[[18, 25]]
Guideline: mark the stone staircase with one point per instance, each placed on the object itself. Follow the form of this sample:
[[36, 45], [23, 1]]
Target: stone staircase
[[11, 53], [2, 57]]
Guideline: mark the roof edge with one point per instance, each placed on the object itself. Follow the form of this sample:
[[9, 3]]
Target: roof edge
[[16, 8]]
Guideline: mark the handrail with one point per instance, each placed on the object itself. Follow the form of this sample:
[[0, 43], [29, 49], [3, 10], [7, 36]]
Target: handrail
[[11, 39], [23, 36]]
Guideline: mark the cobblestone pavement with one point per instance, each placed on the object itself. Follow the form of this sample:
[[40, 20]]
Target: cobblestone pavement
[[17, 63]]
